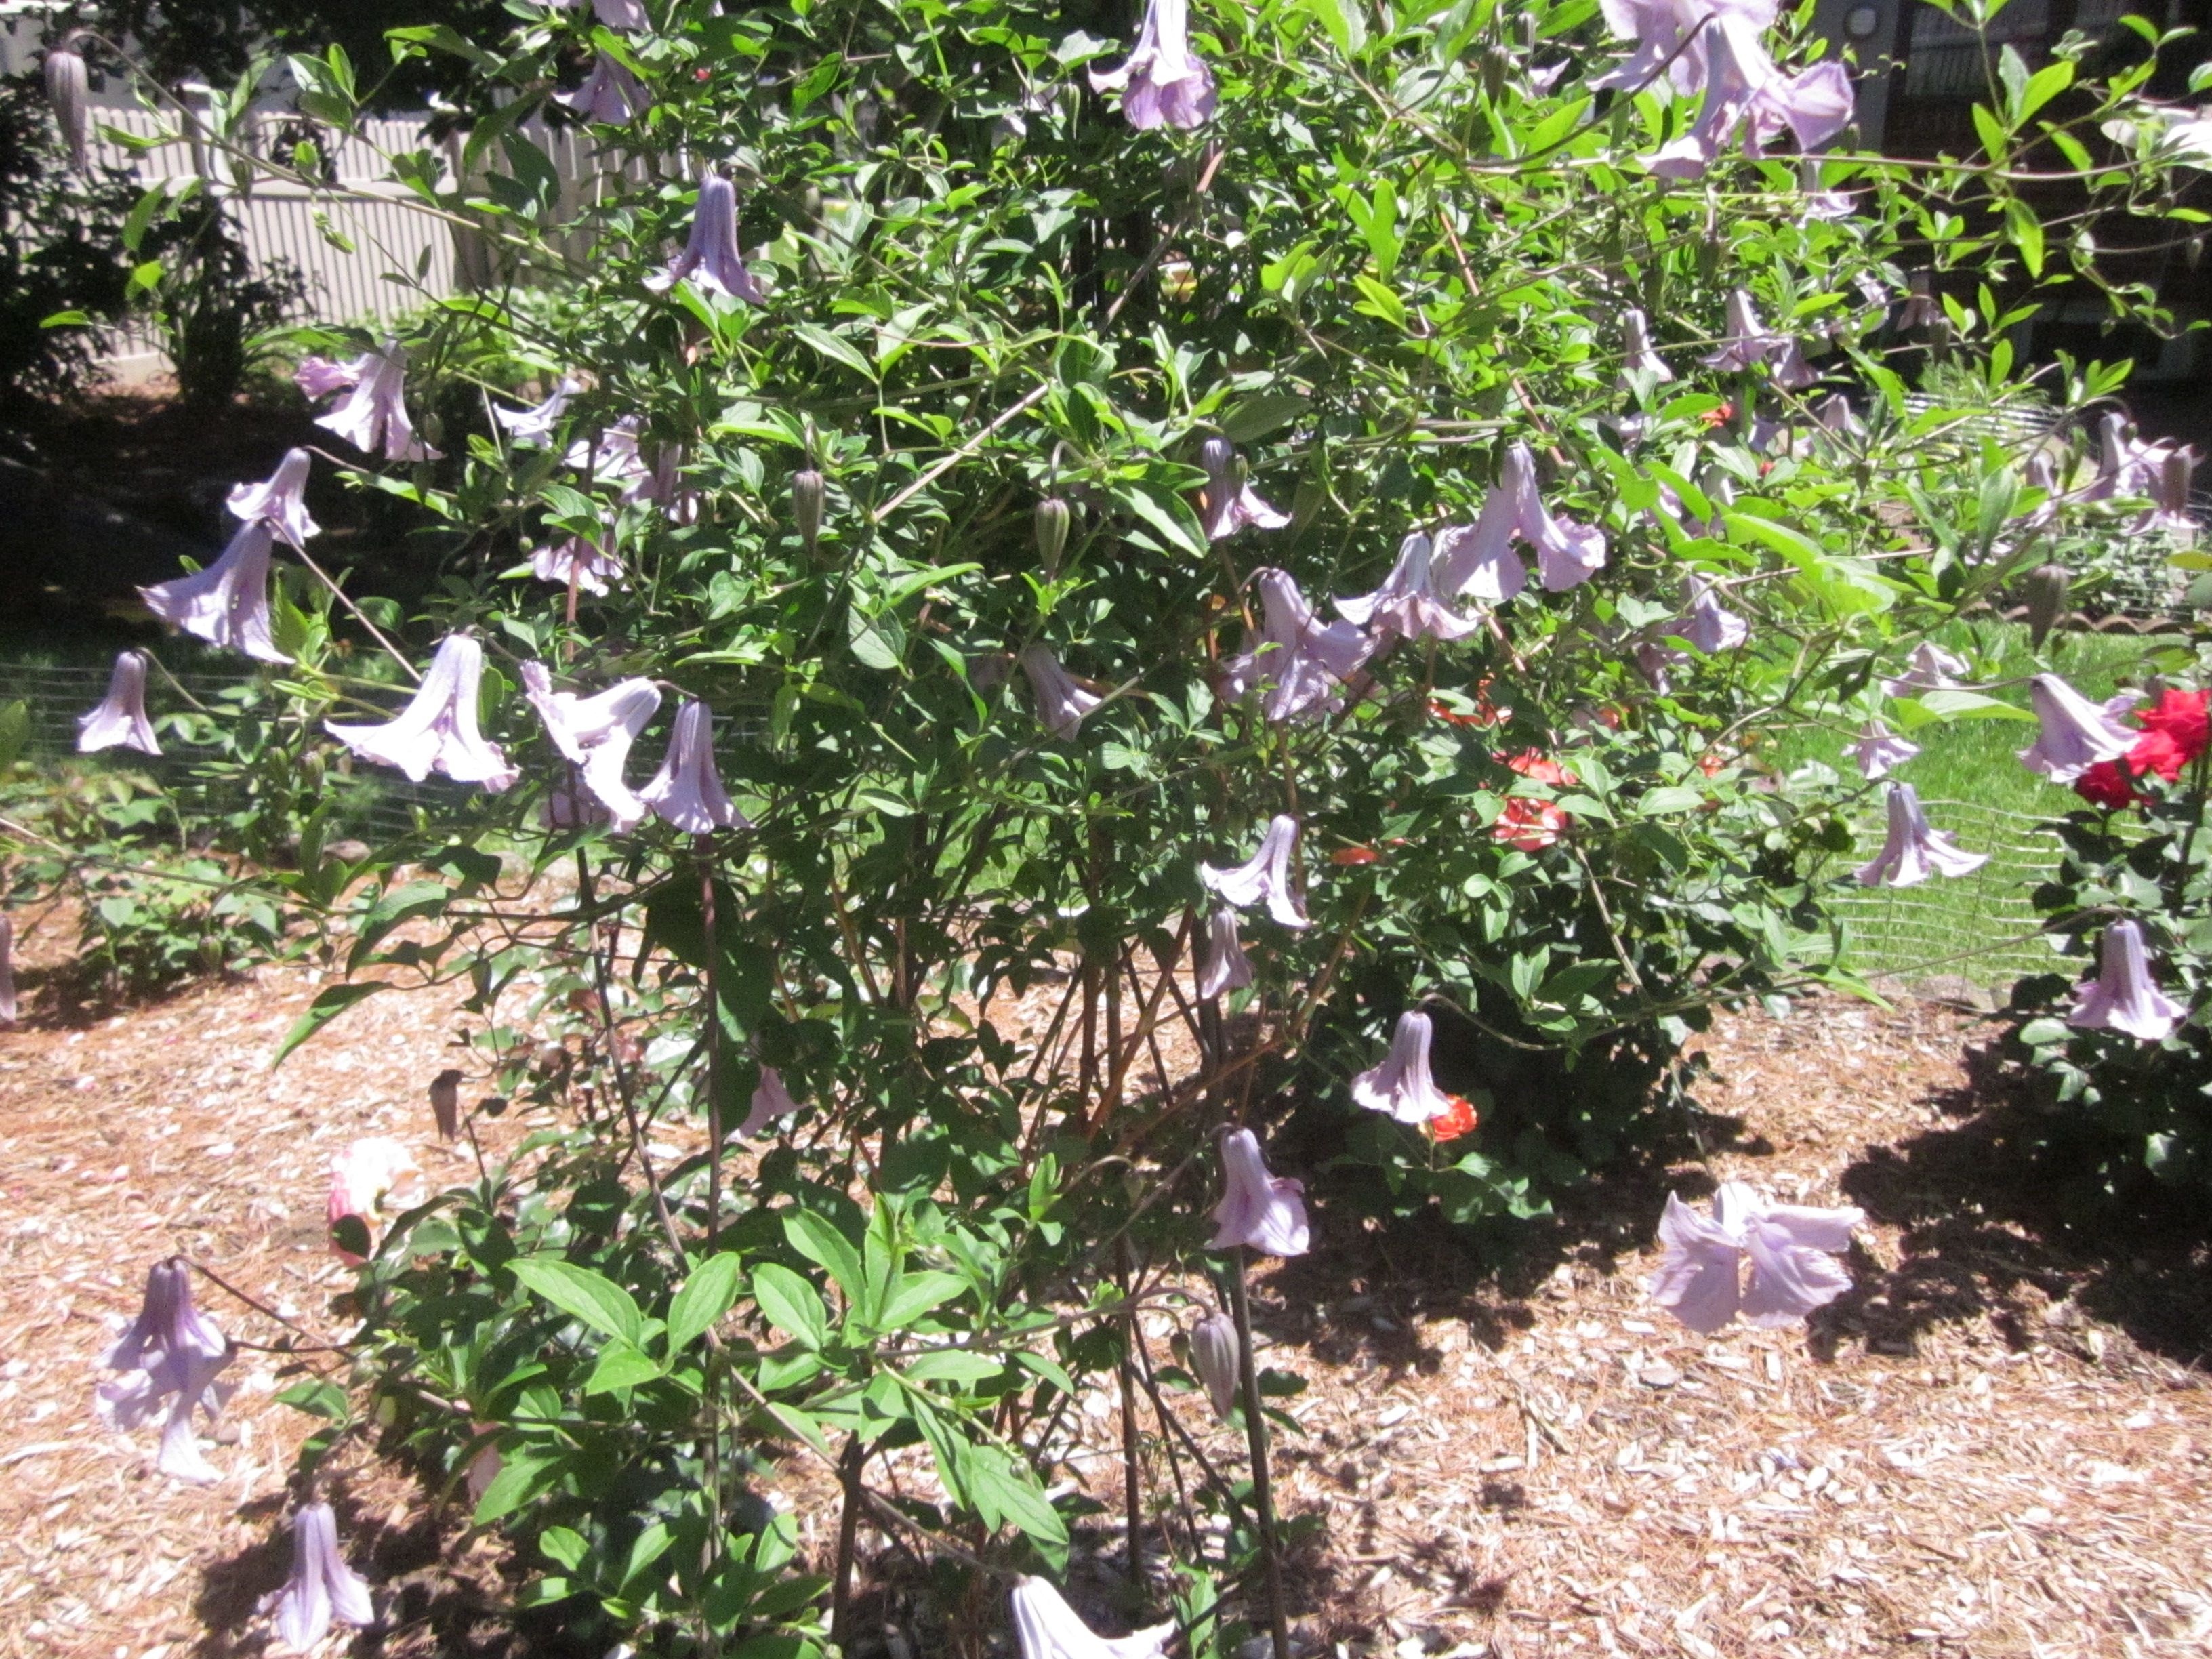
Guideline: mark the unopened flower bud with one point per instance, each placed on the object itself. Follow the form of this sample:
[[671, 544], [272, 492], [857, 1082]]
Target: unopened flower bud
[[445, 1102], [1051, 520], [2046, 587], [1213, 1353], [68, 91], [808, 492], [1493, 73]]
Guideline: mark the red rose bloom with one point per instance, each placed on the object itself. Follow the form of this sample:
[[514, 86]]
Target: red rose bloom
[[2181, 718], [2107, 784], [2156, 751]]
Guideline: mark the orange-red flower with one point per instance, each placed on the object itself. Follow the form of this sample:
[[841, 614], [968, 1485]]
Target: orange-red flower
[[1530, 825], [2181, 718], [1542, 768], [1450, 1125], [1348, 856], [1717, 417]]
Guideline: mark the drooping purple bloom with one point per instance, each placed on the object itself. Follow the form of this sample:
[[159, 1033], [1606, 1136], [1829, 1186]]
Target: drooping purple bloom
[[2169, 495], [280, 500], [1162, 80], [536, 424], [1749, 345], [595, 734], [1061, 702], [1260, 1211], [662, 484], [6, 970], [1478, 560], [375, 413], [322, 1586], [1835, 416], [1930, 668], [1046, 1627], [1709, 625], [1215, 1356], [1819, 203], [1790, 1249], [771, 1101], [170, 1349], [119, 721], [1225, 967], [2075, 733], [68, 94], [610, 94], [1659, 27], [1654, 661], [1407, 606], [1299, 663], [1636, 354], [1269, 877], [687, 792], [319, 377], [711, 258], [1748, 101], [228, 603], [437, 731], [613, 456], [2124, 997], [1878, 749], [626, 15], [1399, 1083], [577, 560], [1230, 502], [1912, 851]]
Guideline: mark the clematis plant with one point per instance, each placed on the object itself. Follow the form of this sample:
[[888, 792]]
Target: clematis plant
[[2075, 733], [1215, 1355], [1229, 503], [227, 604], [438, 732], [711, 260], [1912, 851], [610, 94], [1061, 702], [119, 721], [1258, 1211], [1269, 877], [2124, 997], [1880, 750], [280, 500], [320, 1587], [1399, 1083], [595, 733], [1478, 560], [1224, 966], [1789, 1249], [687, 792], [171, 1354], [373, 415], [1162, 80], [1046, 1627], [1300, 665]]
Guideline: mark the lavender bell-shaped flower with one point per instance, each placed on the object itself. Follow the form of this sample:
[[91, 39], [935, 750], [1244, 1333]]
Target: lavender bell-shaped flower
[[1879, 749], [1407, 605], [319, 377], [1480, 560], [1637, 355], [539, 422], [625, 15], [1046, 1627], [1912, 851], [687, 792], [577, 562], [1790, 1249], [280, 500], [437, 731], [1748, 100], [1300, 663], [1214, 1354], [711, 258], [6, 970], [322, 1586], [2124, 997], [1709, 626], [375, 413], [1162, 80], [2169, 495], [119, 721], [1654, 661], [228, 603], [2076, 733], [662, 484], [612, 457], [1263, 1211], [595, 734], [1668, 35], [1267, 877], [771, 1101], [1930, 668], [610, 94], [1225, 967], [1749, 343], [1061, 702], [1231, 503], [1400, 1085], [68, 94], [170, 1349], [1834, 415]]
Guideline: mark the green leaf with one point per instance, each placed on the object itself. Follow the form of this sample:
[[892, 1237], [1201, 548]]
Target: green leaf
[[954, 1365], [582, 1294], [524, 1472], [710, 1293], [804, 1426], [879, 641], [1673, 799], [1165, 511], [1952, 704], [1262, 413], [817, 1239], [15, 733], [329, 1002], [66, 319], [1343, 19], [2026, 235], [621, 1366], [915, 1294], [791, 1305], [837, 349], [1002, 1491], [563, 1545]]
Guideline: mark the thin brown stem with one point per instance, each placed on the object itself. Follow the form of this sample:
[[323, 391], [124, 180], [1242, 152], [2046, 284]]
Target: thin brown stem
[[1255, 1431]]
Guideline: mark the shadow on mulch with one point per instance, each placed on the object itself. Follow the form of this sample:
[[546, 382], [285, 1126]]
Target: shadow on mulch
[[1994, 1225]]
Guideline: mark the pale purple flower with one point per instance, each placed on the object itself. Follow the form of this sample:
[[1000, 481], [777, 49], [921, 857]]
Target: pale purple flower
[[1790, 1249], [1061, 702], [1912, 851], [595, 734], [2124, 997], [613, 456], [1046, 1627], [1636, 348], [1230, 502], [771, 1101], [687, 792], [68, 94], [1268, 877], [119, 721], [1216, 1356], [1930, 668], [578, 561], [6, 970], [711, 257], [1162, 80], [662, 484], [228, 603], [437, 731], [627, 15], [1820, 203], [1225, 966], [539, 422], [1653, 660], [1834, 415], [322, 1586], [1709, 626], [280, 500], [1748, 101], [1749, 343], [610, 94], [1399, 1083], [319, 377], [2126, 464], [1478, 560], [375, 413], [2076, 733], [1263, 1211], [1407, 605], [2169, 495], [1299, 663], [1879, 749], [1657, 27], [170, 1349]]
